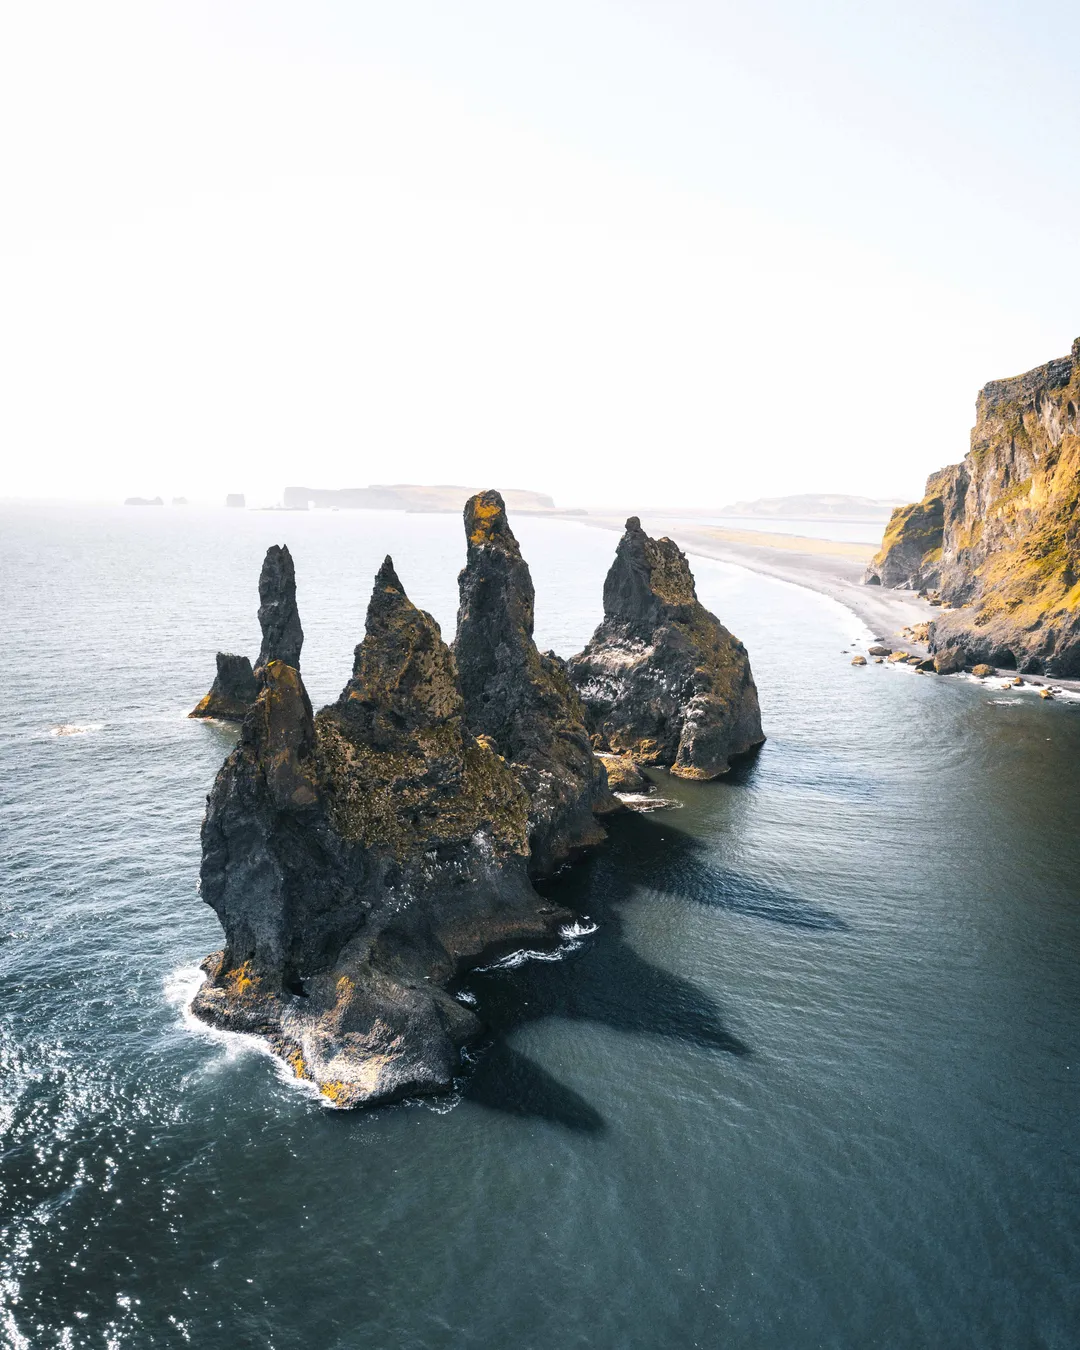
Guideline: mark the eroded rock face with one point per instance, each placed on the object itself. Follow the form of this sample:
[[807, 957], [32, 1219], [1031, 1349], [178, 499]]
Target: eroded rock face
[[236, 685], [662, 680], [520, 699], [1007, 554], [279, 618], [910, 553], [233, 692], [359, 860]]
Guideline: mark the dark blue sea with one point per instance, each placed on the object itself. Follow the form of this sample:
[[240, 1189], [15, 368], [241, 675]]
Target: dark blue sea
[[813, 1081]]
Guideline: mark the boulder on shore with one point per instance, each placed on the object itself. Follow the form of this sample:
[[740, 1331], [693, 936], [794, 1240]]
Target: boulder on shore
[[662, 680], [982, 670], [623, 775], [858, 660]]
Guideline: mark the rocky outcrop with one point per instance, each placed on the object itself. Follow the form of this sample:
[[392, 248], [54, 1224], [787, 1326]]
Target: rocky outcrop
[[910, 553], [1006, 558], [359, 860], [279, 618], [362, 859], [233, 692], [662, 680], [236, 685], [519, 699]]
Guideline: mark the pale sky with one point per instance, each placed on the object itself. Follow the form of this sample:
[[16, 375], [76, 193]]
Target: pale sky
[[647, 252]]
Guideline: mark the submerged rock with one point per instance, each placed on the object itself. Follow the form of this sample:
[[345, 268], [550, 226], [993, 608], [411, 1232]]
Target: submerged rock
[[662, 680], [522, 699], [359, 861], [233, 692]]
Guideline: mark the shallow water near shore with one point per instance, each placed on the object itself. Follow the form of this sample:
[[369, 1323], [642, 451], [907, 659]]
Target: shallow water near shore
[[812, 1080]]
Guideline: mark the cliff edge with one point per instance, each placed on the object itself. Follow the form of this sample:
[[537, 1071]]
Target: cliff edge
[[998, 535]]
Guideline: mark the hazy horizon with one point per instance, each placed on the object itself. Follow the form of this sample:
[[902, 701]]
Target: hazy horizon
[[677, 253]]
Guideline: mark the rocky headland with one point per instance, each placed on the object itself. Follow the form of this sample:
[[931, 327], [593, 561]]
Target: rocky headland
[[363, 858], [662, 681], [995, 541]]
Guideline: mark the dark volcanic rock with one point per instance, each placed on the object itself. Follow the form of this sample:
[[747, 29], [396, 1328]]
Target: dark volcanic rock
[[282, 636], [361, 859], [236, 686], [662, 680], [233, 692], [522, 699], [1000, 532]]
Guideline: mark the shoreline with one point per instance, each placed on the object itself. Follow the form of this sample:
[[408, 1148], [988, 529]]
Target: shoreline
[[831, 567]]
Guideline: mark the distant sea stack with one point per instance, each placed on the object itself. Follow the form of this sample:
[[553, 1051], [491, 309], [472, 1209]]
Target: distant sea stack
[[236, 685], [362, 859], [143, 501], [998, 535], [236, 500], [662, 680]]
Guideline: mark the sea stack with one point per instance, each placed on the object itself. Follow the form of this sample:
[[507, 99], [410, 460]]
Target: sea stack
[[519, 699], [998, 535], [233, 692], [662, 680], [361, 859], [236, 685]]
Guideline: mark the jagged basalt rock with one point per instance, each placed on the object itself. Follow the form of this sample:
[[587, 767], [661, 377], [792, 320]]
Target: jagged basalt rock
[[360, 860], [522, 699], [233, 692], [662, 680], [282, 636], [236, 685], [1006, 554]]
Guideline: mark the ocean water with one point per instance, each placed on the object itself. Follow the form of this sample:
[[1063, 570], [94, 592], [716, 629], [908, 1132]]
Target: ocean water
[[811, 1082]]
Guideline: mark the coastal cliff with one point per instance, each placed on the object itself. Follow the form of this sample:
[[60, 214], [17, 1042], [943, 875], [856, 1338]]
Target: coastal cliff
[[662, 680], [998, 535], [236, 685]]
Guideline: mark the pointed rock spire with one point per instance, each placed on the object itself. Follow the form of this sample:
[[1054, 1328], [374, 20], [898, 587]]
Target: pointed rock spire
[[518, 698], [282, 636], [662, 680]]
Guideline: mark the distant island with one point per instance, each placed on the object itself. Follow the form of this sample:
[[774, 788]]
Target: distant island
[[995, 539], [815, 505], [411, 497], [143, 501]]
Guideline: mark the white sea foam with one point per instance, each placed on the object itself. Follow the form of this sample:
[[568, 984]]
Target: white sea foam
[[75, 728], [573, 935], [181, 986], [645, 801]]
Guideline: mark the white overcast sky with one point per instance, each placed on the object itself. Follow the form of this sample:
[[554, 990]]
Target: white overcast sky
[[655, 251]]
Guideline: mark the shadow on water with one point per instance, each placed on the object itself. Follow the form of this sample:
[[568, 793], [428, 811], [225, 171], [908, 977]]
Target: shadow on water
[[605, 981]]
